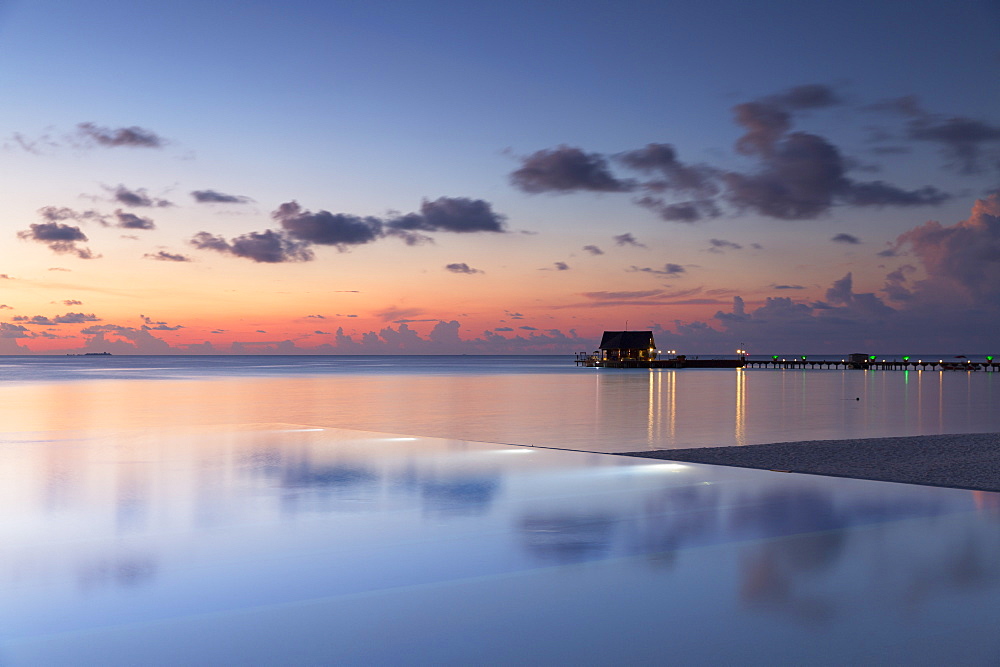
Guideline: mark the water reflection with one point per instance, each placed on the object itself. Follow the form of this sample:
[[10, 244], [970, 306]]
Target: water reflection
[[160, 527]]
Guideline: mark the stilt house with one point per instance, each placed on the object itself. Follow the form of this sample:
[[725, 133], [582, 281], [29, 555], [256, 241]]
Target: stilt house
[[628, 345]]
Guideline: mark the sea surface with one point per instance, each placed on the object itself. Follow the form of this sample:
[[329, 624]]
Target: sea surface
[[544, 401]]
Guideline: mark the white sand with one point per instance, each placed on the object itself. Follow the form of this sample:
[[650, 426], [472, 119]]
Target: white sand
[[968, 461]]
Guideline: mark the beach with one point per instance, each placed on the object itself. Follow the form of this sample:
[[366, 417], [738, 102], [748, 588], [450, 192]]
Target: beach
[[965, 461]]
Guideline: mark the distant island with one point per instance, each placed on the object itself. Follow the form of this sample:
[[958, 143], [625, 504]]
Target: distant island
[[91, 354]]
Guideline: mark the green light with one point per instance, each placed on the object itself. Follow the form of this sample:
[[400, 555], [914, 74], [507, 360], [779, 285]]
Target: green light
[[871, 358], [906, 358], [989, 358], [775, 357], [803, 357]]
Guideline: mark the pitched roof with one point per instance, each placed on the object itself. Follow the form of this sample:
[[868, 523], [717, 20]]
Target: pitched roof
[[627, 340]]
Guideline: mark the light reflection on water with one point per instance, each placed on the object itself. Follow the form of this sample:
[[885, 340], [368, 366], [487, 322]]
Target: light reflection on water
[[595, 410], [288, 545]]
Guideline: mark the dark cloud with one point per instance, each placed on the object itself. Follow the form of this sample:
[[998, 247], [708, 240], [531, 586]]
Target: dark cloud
[[848, 239], [59, 238], [132, 221], [798, 176], [961, 139], [137, 198], [451, 214], [687, 211], [628, 239], [318, 317], [164, 256], [667, 270], [593, 250], [134, 137], [567, 169], [802, 176], [390, 314], [562, 266], [697, 180], [60, 213], [721, 245], [4, 306], [788, 287], [264, 247], [75, 318], [527, 328], [461, 267], [214, 197], [72, 302], [503, 329], [148, 324], [325, 228], [37, 320]]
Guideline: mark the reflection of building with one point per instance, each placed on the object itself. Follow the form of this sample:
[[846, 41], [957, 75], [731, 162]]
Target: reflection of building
[[628, 345]]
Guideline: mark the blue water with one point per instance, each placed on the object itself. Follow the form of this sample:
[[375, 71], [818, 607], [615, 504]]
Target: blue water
[[531, 400]]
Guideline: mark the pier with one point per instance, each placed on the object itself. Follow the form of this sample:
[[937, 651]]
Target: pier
[[874, 364]]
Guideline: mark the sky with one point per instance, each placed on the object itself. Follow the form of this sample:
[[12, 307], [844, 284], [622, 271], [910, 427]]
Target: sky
[[315, 177]]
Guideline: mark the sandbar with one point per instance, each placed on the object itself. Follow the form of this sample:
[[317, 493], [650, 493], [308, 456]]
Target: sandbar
[[965, 461]]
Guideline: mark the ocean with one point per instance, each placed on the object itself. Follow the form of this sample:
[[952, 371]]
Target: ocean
[[543, 401]]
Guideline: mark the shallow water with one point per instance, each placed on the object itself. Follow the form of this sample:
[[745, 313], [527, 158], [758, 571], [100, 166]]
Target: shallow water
[[523, 400]]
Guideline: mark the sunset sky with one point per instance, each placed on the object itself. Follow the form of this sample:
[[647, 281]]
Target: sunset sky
[[453, 177]]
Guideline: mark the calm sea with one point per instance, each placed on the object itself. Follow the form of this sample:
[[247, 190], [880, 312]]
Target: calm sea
[[531, 400]]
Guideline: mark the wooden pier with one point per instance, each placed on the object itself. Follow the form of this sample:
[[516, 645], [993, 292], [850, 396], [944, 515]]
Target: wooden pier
[[875, 364]]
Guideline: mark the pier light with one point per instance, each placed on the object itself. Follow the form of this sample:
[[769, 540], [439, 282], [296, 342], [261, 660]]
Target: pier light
[[906, 358], [990, 359], [871, 358], [774, 357], [803, 357]]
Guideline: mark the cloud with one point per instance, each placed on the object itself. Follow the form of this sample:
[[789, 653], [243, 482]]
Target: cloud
[[721, 245], [60, 213], [787, 287], [798, 175], [133, 137], [562, 266], [72, 302], [4, 306], [150, 325], [318, 317], [269, 246], [8, 330], [68, 318], [593, 250], [619, 296], [450, 214], [393, 313], [301, 229], [566, 169], [848, 239], [686, 211], [461, 267], [164, 256], [962, 140], [60, 238], [965, 255], [132, 221], [667, 270], [325, 228], [628, 239], [137, 198], [674, 176], [214, 197]]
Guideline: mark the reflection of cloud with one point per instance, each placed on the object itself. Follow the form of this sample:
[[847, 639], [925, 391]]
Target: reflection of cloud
[[126, 571], [459, 494], [568, 538], [304, 475]]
